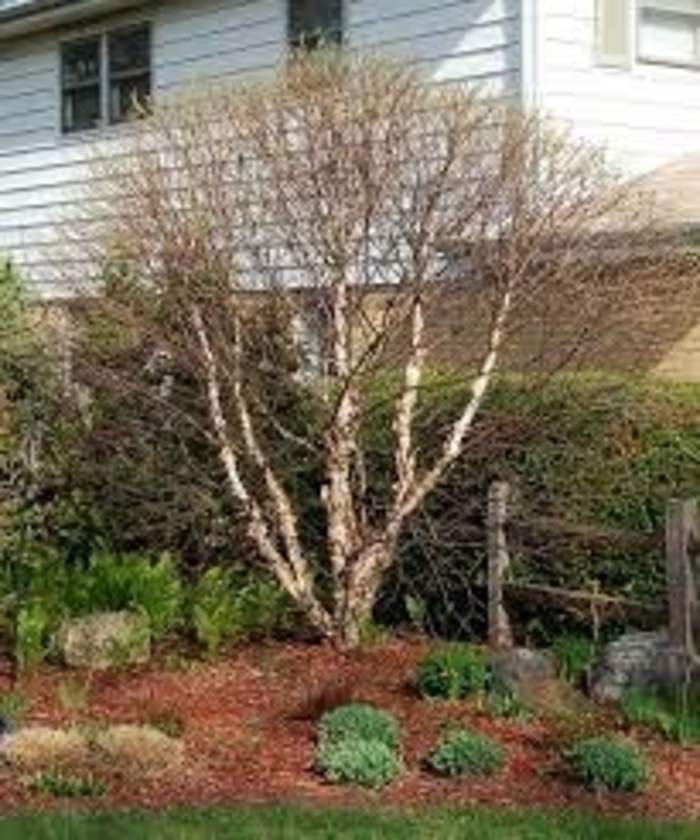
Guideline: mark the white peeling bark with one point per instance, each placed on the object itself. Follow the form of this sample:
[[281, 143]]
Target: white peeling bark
[[376, 558], [283, 510], [298, 586], [454, 444], [403, 425], [341, 446]]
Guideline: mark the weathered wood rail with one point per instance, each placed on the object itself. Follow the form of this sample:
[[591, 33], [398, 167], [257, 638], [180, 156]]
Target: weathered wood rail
[[681, 542]]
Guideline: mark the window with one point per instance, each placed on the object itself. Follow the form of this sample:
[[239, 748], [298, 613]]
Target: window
[[669, 31], [129, 52], [315, 22], [80, 80], [104, 77]]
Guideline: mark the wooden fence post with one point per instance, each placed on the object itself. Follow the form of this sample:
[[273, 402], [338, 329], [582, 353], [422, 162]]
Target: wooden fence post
[[499, 632], [681, 545]]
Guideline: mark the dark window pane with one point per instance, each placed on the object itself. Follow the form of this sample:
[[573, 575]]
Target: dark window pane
[[128, 97], [313, 22], [130, 49], [81, 109], [81, 62]]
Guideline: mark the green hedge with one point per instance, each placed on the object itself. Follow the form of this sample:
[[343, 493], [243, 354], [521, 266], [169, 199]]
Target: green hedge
[[591, 461], [586, 456]]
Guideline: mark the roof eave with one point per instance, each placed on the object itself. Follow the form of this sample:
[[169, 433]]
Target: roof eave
[[40, 15]]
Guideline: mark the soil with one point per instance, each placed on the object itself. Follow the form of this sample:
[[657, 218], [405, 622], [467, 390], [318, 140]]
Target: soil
[[248, 722]]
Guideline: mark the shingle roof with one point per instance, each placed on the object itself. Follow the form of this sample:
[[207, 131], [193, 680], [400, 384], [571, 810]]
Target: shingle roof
[[23, 17], [676, 186], [27, 8]]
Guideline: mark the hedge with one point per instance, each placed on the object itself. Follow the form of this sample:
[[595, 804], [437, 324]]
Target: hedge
[[585, 455], [593, 459]]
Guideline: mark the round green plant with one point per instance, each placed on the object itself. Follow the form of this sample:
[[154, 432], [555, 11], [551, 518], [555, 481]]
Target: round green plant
[[371, 764], [606, 763], [465, 752], [452, 672], [359, 722]]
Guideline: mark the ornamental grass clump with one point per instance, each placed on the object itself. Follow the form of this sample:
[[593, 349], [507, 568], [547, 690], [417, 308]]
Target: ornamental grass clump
[[605, 763], [359, 744], [464, 752], [452, 672]]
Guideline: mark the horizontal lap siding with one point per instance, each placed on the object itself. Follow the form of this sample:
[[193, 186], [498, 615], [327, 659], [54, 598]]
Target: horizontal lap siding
[[41, 173], [645, 115]]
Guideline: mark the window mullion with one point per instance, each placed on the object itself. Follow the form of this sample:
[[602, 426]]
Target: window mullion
[[104, 80]]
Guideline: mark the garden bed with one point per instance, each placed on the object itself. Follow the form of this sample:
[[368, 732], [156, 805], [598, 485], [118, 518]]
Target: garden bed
[[248, 724]]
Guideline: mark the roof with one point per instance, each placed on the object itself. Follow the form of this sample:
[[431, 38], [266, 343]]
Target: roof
[[676, 186], [23, 17], [11, 10]]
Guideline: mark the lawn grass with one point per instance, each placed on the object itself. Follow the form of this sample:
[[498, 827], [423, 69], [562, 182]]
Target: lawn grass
[[287, 822]]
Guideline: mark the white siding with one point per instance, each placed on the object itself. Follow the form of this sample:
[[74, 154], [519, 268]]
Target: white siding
[[644, 114], [41, 171]]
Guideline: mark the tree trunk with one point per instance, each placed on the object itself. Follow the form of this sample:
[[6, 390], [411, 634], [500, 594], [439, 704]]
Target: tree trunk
[[358, 595]]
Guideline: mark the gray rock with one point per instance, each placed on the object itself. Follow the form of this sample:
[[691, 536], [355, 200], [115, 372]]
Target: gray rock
[[512, 667], [104, 640], [531, 677], [645, 661]]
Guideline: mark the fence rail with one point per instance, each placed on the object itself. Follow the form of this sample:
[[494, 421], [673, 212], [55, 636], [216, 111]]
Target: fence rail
[[681, 542]]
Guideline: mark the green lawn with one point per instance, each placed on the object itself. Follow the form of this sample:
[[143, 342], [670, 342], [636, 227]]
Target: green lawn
[[244, 823]]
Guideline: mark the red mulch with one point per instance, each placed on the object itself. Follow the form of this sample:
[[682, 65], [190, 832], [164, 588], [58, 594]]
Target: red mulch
[[249, 736]]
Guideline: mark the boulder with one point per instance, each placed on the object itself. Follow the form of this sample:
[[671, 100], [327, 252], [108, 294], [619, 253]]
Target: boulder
[[104, 640], [645, 661], [510, 668], [530, 676]]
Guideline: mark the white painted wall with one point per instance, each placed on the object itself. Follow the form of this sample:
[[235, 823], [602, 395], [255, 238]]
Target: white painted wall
[[644, 114], [41, 171]]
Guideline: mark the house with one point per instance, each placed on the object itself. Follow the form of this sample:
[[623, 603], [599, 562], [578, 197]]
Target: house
[[623, 73]]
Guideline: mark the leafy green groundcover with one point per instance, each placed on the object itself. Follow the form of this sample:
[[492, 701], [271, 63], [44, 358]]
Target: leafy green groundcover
[[262, 822]]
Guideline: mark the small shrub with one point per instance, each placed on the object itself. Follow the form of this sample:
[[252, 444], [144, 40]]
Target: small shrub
[[129, 582], [574, 656], [674, 721], [466, 752], [213, 611], [501, 702], [228, 606], [31, 633], [14, 705], [369, 763], [452, 672], [359, 722], [643, 708], [157, 590], [605, 763], [60, 784]]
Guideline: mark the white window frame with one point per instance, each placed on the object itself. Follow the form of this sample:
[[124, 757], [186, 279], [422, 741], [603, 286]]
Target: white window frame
[[614, 33], [687, 10], [102, 36]]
